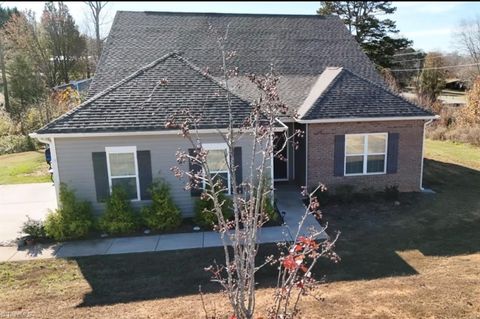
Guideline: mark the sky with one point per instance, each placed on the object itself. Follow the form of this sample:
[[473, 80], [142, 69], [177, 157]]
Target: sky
[[431, 25]]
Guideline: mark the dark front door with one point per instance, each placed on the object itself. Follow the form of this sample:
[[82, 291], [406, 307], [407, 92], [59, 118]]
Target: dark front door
[[280, 162]]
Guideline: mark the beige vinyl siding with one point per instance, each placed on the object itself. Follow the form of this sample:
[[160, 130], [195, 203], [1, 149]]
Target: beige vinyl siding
[[75, 164]]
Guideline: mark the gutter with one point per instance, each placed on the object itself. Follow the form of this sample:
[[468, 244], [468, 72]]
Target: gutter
[[368, 119]]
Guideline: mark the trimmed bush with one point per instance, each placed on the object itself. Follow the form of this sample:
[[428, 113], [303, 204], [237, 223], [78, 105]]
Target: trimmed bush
[[269, 209], [34, 228], [344, 193], [119, 217], [322, 195], [391, 193], [72, 220], [163, 214], [204, 215]]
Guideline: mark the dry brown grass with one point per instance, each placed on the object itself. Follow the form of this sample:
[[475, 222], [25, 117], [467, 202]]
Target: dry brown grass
[[417, 260], [443, 288]]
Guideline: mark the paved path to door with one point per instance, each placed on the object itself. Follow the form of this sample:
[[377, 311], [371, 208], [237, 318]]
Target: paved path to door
[[17, 201], [288, 201]]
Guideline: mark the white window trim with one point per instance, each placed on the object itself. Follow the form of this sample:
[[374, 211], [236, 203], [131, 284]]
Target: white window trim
[[365, 154], [123, 149], [219, 147]]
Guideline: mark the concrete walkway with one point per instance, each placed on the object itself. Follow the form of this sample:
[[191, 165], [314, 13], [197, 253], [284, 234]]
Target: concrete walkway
[[288, 201], [140, 244]]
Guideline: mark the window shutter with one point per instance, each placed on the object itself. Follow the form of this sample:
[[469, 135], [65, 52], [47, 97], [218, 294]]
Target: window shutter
[[195, 167], [100, 174], [339, 155], [144, 173], [237, 158], [392, 153]]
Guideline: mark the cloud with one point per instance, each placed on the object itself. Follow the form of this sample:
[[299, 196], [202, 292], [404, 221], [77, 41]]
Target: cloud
[[428, 7]]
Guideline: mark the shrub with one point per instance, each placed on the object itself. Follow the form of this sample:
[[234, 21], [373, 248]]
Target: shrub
[[204, 215], [72, 220], [119, 217], [366, 194], [391, 193], [6, 125], [269, 209], [344, 193], [163, 214], [16, 143], [34, 228], [322, 195]]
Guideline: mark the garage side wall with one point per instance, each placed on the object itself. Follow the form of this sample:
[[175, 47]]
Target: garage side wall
[[321, 140]]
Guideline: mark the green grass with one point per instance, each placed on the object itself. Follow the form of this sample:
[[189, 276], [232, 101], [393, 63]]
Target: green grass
[[450, 152], [26, 167]]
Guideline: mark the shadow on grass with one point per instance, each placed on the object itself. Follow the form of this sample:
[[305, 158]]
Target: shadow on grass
[[145, 276], [441, 224]]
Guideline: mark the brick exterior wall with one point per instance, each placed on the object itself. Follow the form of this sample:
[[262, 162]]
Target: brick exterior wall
[[321, 149]]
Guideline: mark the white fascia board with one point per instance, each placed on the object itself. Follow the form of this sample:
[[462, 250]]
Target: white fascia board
[[369, 119], [136, 133]]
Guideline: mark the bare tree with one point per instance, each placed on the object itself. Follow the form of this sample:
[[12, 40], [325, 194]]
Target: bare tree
[[469, 39], [96, 10], [249, 199]]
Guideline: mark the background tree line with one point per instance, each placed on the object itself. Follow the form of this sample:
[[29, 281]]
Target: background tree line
[[36, 55], [420, 76]]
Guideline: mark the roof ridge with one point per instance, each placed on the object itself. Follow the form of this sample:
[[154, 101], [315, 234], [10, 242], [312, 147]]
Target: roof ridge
[[208, 76], [328, 88], [140, 71], [295, 15], [111, 88]]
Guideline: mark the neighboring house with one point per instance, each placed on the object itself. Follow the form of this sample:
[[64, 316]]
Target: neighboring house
[[357, 131]]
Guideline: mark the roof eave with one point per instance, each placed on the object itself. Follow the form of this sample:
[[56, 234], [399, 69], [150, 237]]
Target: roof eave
[[369, 119]]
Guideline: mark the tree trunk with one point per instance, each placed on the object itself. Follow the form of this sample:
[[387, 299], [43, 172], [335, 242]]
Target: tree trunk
[[97, 34], [4, 79]]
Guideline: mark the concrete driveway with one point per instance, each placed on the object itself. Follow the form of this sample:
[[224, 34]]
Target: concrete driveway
[[17, 201]]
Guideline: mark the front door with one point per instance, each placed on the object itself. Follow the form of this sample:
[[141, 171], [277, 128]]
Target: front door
[[280, 162]]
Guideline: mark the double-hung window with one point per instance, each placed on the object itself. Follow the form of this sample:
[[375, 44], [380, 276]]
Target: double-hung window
[[366, 153], [217, 158], [123, 170]]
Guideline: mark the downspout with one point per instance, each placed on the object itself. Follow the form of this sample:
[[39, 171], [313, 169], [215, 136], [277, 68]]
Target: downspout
[[423, 153], [54, 163]]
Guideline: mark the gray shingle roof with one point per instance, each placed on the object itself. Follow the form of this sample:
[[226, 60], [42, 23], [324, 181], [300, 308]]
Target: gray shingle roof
[[140, 103], [349, 95], [300, 47]]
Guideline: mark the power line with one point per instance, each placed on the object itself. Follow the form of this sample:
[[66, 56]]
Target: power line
[[421, 59], [437, 68], [410, 53]]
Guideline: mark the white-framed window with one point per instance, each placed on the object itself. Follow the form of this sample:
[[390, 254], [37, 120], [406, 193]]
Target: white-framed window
[[365, 154], [217, 158], [123, 169]]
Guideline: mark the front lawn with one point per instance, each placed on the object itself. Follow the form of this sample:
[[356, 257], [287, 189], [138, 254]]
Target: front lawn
[[420, 259], [21, 168]]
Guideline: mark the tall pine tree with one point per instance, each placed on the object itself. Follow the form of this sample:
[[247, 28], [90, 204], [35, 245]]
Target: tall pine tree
[[372, 33]]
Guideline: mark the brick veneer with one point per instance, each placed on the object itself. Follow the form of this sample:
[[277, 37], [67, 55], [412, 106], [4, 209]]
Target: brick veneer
[[321, 147]]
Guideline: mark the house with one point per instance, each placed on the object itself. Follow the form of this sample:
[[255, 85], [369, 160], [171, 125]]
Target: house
[[79, 85], [356, 130]]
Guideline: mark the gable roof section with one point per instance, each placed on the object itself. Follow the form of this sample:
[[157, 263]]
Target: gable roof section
[[140, 102], [341, 94], [299, 47]]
